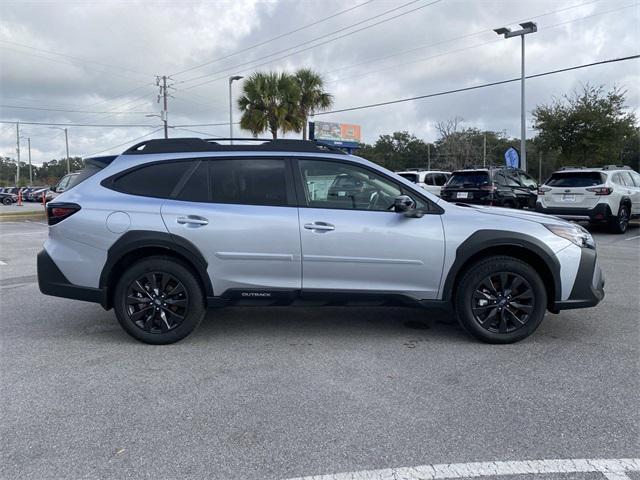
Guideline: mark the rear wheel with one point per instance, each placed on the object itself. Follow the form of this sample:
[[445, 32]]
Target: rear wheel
[[620, 222], [7, 201], [501, 300], [158, 300]]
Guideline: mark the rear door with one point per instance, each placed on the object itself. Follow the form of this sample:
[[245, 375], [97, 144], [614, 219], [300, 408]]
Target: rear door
[[241, 214], [569, 189], [353, 241], [635, 199]]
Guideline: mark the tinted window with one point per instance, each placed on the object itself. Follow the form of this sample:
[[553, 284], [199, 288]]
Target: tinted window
[[575, 179], [511, 181], [469, 179], [155, 180], [412, 177], [249, 182], [346, 186], [196, 188], [440, 179]]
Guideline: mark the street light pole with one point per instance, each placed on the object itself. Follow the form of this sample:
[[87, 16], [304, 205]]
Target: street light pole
[[231, 79], [30, 171], [18, 153], [527, 27], [66, 142]]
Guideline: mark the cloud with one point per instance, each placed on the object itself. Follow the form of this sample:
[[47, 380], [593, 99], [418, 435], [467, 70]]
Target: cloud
[[104, 56]]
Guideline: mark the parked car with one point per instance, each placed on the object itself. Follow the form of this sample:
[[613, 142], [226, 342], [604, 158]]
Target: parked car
[[8, 198], [172, 226], [608, 194], [35, 195], [64, 184], [497, 186], [431, 180]]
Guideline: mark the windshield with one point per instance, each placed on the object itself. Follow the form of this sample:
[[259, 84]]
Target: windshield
[[575, 179], [469, 179]]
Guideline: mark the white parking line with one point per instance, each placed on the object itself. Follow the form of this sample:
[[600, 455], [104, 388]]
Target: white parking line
[[631, 238], [612, 469], [2, 263]]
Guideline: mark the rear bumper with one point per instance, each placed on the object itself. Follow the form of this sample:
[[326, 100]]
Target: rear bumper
[[602, 211], [53, 282], [588, 289]]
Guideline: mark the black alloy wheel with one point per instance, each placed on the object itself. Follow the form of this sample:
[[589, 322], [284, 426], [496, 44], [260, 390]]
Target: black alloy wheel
[[620, 223], [502, 302], [157, 302]]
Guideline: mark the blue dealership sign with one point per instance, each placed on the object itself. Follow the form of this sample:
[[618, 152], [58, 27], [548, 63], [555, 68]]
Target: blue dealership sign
[[512, 158]]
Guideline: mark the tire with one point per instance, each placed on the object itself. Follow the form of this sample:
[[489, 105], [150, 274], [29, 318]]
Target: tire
[[151, 320], [7, 201], [508, 204], [492, 317], [620, 222]]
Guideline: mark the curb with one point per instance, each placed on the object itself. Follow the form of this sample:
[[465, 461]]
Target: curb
[[22, 216]]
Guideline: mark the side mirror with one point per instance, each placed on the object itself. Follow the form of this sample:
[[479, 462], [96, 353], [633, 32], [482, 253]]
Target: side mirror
[[403, 203]]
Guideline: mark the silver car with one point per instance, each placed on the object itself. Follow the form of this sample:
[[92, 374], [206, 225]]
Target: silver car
[[171, 227]]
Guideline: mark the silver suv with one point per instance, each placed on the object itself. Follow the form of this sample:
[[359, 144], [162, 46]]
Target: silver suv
[[171, 227]]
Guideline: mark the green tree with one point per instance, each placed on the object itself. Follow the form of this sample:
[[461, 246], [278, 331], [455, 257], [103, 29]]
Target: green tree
[[313, 98], [269, 102], [589, 127], [397, 151]]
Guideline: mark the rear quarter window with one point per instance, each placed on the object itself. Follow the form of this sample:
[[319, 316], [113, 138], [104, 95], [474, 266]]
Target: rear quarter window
[[154, 180], [575, 179]]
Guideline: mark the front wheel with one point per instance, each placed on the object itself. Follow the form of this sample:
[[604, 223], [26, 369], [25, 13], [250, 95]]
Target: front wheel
[[501, 300], [158, 300], [620, 222], [7, 201]]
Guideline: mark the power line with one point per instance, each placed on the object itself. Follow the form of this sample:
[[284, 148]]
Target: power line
[[251, 47], [23, 107], [460, 37], [121, 144], [235, 67], [78, 124], [423, 59], [476, 87]]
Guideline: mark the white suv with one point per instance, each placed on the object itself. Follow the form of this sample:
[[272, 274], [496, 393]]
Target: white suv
[[431, 180], [608, 194]]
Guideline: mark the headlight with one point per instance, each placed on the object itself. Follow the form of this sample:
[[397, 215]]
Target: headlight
[[574, 233]]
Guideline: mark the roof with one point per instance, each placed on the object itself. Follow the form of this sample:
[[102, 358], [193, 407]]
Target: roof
[[186, 145]]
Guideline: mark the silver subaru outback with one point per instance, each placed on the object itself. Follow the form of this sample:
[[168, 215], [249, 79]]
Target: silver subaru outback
[[171, 227]]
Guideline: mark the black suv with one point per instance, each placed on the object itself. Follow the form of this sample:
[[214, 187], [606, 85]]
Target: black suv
[[498, 186]]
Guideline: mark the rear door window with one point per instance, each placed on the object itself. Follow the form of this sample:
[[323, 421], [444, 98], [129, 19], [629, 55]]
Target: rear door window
[[575, 179], [249, 182]]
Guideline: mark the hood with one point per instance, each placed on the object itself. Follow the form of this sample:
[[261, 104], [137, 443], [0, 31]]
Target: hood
[[520, 214]]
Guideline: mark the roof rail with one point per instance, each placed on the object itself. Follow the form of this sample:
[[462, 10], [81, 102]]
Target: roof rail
[[569, 167], [616, 167], [194, 144]]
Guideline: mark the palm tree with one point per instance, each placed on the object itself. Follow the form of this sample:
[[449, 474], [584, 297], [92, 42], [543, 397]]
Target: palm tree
[[269, 102], [312, 95]]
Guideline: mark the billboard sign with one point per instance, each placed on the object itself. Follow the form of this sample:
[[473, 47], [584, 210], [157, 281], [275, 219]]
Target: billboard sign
[[337, 134], [512, 158]]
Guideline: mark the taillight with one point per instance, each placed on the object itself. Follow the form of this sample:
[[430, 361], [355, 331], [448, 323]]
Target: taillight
[[601, 190], [56, 212], [542, 190]]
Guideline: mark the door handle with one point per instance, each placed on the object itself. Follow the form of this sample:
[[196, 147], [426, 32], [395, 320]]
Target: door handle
[[192, 220], [319, 226]]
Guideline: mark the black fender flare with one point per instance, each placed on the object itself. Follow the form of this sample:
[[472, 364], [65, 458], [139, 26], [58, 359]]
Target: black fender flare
[[483, 240], [139, 239]]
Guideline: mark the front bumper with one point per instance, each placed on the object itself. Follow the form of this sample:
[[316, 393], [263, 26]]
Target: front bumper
[[53, 282], [588, 289], [600, 212]]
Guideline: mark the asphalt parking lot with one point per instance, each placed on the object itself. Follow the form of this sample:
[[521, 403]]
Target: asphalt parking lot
[[289, 392]]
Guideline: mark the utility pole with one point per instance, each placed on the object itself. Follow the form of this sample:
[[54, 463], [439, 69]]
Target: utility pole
[[18, 153], [30, 171], [161, 81], [428, 156], [539, 167], [231, 80], [484, 150]]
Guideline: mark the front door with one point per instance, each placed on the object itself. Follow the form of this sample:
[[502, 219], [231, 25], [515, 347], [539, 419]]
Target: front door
[[240, 214], [352, 240]]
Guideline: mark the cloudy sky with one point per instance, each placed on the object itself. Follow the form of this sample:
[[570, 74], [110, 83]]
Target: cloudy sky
[[95, 62]]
